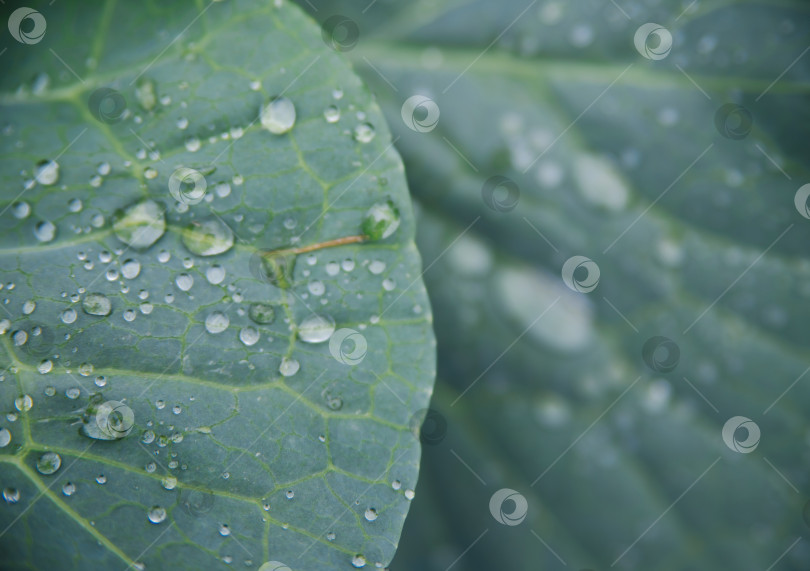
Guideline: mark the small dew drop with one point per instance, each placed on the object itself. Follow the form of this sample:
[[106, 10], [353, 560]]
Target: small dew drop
[[371, 514], [101, 479], [184, 281], [169, 482], [29, 306], [289, 494], [23, 403], [130, 269], [5, 437], [224, 530], [288, 367], [376, 267], [73, 393], [45, 366], [359, 561], [69, 488], [249, 336], [68, 316]]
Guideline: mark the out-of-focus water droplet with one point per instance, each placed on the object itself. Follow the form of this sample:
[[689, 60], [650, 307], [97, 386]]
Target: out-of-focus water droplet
[[217, 322], [278, 116], [75, 205], [316, 287], [101, 479], [46, 172], [103, 169], [49, 463], [145, 94], [389, 284], [316, 329], [140, 225], [96, 304], [376, 267], [45, 231], [21, 210], [364, 133], [208, 237], [332, 114]]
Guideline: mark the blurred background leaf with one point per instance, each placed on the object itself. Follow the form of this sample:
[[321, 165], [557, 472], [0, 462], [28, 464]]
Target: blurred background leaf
[[674, 169]]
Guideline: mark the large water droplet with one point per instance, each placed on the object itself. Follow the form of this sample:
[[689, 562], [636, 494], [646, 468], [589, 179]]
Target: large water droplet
[[364, 133], [47, 172], [45, 366], [45, 231], [262, 313], [49, 463], [217, 322], [96, 304], [5, 437], [381, 220], [141, 224], [332, 114], [208, 237], [156, 514], [316, 329], [278, 116], [145, 94]]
